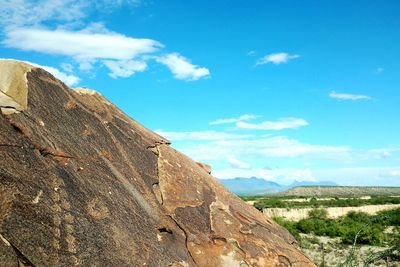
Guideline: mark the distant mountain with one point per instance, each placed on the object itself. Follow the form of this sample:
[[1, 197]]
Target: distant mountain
[[311, 183], [251, 186], [257, 186]]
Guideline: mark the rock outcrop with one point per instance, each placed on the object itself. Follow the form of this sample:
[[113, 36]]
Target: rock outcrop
[[82, 184]]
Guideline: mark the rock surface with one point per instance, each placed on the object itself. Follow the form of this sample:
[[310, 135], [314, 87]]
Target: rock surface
[[82, 184]]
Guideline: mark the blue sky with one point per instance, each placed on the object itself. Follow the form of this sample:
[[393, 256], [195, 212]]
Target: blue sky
[[282, 90]]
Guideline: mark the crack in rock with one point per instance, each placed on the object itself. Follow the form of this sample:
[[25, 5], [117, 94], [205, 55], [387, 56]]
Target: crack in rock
[[22, 260]]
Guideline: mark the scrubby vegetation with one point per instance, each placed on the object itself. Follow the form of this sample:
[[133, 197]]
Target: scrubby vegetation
[[279, 202], [346, 227], [355, 230], [354, 239]]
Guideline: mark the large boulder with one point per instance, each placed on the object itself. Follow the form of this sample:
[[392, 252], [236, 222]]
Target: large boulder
[[82, 184]]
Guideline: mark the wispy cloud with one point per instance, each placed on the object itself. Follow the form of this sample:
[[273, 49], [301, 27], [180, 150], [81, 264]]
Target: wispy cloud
[[268, 147], [244, 117], [395, 173], [276, 58], [251, 53], [345, 96], [68, 79], [125, 68], [182, 68], [17, 13], [238, 164], [284, 123], [201, 135]]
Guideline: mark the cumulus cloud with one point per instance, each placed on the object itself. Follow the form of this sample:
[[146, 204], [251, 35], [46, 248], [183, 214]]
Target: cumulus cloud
[[281, 124], [244, 117], [345, 96], [68, 79], [182, 68], [276, 58], [238, 164]]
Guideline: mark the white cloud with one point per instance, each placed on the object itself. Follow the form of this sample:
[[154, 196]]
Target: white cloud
[[380, 176], [229, 173], [251, 53], [282, 176], [106, 4], [344, 96], [264, 147], [362, 176], [67, 67], [395, 173], [16, 13], [379, 153], [238, 164], [124, 68], [284, 123], [201, 136], [182, 68], [276, 58], [244, 117], [87, 46], [68, 79], [81, 45], [304, 175], [25, 27]]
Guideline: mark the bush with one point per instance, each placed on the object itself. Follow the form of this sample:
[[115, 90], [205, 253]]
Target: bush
[[370, 229], [318, 214], [289, 225]]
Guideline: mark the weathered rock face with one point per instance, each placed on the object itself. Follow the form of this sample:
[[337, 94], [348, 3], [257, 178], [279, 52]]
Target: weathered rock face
[[83, 184]]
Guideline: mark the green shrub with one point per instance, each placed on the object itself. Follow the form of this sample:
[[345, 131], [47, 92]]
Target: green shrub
[[370, 229], [318, 214]]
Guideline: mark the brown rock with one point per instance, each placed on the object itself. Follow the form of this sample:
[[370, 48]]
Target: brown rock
[[82, 184], [205, 167]]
